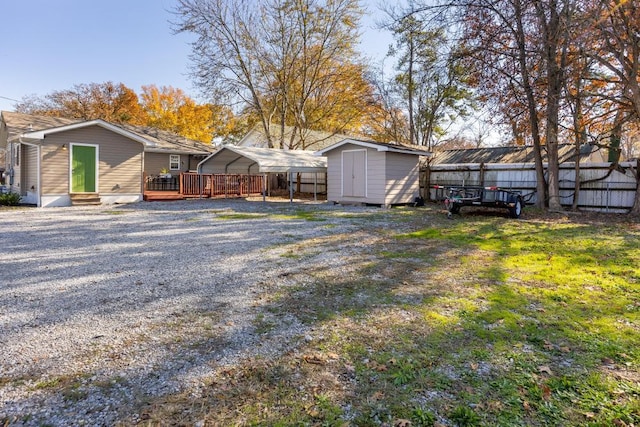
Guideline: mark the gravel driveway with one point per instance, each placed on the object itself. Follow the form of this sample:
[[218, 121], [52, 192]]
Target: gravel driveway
[[104, 308]]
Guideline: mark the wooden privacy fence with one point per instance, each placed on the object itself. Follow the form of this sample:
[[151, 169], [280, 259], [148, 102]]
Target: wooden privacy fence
[[215, 185], [603, 188]]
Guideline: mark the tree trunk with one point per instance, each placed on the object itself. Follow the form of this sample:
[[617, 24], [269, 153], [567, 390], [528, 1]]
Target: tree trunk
[[551, 30], [635, 210], [541, 185], [412, 132]]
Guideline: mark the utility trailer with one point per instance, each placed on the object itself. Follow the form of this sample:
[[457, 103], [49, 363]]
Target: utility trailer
[[492, 197]]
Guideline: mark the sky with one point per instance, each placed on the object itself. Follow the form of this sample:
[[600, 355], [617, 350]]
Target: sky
[[48, 45]]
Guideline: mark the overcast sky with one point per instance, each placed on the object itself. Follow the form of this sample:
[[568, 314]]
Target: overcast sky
[[48, 45]]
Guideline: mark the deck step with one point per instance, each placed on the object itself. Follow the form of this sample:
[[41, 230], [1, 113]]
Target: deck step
[[151, 196], [85, 199]]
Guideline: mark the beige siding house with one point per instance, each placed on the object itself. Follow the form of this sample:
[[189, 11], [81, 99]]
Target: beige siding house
[[294, 138], [58, 162], [374, 173]]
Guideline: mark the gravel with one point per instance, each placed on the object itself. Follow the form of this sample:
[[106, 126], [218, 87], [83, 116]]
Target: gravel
[[105, 308]]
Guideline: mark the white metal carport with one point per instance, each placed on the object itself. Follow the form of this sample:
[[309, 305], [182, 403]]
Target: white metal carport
[[231, 159]]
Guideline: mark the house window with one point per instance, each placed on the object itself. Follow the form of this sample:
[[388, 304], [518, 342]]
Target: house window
[[174, 162]]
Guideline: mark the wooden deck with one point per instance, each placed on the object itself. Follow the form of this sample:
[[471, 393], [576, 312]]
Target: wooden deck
[[194, 186]]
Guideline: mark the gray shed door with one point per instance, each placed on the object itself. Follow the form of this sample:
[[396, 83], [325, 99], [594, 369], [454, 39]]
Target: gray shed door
[[354, 173]]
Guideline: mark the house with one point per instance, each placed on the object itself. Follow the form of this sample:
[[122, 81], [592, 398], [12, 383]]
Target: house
[[169, 152], [53, 161], [302, 139], [369, 172]]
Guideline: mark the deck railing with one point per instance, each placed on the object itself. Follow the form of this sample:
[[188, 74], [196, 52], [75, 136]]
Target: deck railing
[[161, 183], [212, 185]]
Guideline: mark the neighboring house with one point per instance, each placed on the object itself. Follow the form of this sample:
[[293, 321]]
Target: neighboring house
[[516, 154], [303, 139], [371, 172], [54, 161]]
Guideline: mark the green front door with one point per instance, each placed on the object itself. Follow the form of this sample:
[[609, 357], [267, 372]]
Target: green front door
[[83, 169]]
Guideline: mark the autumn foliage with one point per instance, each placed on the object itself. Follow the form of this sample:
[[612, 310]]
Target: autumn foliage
[[165, 108]]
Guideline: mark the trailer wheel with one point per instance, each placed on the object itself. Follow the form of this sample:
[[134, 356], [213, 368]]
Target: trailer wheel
[[516, 210], [455, 209]]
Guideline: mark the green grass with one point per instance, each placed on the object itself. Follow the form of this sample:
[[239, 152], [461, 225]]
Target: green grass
[[237, 216], [478, 321]]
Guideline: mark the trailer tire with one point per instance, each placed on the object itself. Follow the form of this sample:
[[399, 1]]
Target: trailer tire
[[516, 210], [455, 208]]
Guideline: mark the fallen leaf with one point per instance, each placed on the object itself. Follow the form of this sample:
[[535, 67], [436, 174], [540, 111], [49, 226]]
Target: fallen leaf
[[474, 366], [565, 349], [313, 359], [545, 370], [546, 392], [378, 395], [402, 423], [548, 345], [526, 406], [608, 361]]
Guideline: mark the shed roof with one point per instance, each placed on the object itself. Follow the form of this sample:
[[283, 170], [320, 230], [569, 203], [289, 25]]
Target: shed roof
[[379, 146], [267, 159], [518, 154]]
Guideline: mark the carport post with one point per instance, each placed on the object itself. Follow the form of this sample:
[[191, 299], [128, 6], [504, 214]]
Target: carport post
[[315, 187], [290, 188], [264, 188]]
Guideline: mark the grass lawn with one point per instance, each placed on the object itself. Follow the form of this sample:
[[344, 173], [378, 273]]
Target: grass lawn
[[481, 320]]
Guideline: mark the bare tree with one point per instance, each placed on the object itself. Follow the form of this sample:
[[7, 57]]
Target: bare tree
[[280, 58]]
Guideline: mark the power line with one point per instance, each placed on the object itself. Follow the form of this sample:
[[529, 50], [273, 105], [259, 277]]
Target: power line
[[9, 99]]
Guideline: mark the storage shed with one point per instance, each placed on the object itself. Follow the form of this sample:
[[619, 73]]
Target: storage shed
[[369, 172]]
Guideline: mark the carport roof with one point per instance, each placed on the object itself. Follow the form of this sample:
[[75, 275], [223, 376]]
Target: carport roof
[[267, 159]]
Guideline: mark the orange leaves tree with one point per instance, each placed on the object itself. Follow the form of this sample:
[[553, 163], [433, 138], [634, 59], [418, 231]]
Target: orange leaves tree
[[165, 108], [108, 101], [171, 109]]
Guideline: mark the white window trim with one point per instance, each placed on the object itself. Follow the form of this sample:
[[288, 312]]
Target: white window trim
[[171, 162]]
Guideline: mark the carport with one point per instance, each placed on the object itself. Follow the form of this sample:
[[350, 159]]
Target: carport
[[252, 161]]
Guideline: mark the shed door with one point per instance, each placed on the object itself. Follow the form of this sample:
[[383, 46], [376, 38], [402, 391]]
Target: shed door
[[354, 173], [83, 169]]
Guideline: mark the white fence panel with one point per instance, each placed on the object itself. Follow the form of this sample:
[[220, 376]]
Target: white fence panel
[[602, 188]]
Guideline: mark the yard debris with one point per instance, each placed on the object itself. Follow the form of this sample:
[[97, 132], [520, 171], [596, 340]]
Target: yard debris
[[545, 370], [314, 359]]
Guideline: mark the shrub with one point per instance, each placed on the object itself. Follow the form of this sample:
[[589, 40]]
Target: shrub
[[9, 199]]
